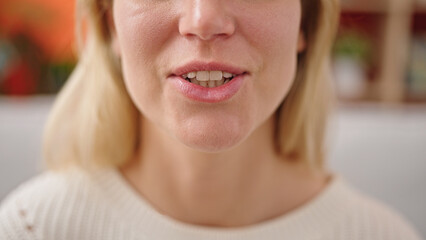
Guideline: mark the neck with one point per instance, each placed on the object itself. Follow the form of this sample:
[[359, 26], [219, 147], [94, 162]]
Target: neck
[[247, 184]]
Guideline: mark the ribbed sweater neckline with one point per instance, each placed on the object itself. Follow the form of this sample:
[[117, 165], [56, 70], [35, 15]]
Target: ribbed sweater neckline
[[308, 221]]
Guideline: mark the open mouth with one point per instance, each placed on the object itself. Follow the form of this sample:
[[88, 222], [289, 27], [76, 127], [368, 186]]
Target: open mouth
[[209, 79]]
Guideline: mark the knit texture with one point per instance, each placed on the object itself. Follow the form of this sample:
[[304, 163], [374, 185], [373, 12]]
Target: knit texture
[[76, 205]]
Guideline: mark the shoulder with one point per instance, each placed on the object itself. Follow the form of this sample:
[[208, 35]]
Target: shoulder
[[45, 203], [48, 186], [369, 218]]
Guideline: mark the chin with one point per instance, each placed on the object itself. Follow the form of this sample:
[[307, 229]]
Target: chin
[[212, 139]]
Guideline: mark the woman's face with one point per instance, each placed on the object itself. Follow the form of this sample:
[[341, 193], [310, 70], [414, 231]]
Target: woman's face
[[165, 45]]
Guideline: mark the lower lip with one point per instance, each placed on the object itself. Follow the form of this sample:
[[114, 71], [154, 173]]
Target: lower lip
[[209, 95]]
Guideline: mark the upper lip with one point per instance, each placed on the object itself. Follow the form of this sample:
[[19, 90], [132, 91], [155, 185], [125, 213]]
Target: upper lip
[[196, 66]]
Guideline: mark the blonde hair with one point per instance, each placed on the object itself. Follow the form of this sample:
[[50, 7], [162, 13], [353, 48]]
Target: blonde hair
[[95, 123]]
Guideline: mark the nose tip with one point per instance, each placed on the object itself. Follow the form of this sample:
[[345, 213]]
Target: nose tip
[[206, 19]]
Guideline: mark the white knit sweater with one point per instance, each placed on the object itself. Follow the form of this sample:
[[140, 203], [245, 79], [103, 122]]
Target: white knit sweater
[[102, 206]]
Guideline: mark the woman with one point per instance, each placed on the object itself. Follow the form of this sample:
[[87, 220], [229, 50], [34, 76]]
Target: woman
[[196, 119]]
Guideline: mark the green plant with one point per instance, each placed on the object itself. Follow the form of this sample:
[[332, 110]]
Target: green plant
[[354, 45]]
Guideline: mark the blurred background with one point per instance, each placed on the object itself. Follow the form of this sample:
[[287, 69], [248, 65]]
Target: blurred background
[[378, 134]]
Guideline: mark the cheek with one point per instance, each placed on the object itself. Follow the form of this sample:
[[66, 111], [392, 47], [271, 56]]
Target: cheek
[[275, 34], [274, 28], [141, 33], [141, 28]]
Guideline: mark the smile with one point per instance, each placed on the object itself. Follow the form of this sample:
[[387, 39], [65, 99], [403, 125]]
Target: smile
[[209, 82], [209, 79]]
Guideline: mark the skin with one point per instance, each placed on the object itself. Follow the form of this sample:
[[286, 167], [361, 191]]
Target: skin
[[212, 164]]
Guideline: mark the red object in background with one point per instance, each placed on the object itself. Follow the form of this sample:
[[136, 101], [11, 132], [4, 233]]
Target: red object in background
[[369, 25], [20, 79], [50, 23], [419, 22]]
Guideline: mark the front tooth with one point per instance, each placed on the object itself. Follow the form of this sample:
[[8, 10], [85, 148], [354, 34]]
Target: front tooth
[[195, 81], [227, 75], [212, 83], [204, 83], [203, 75], [215, 75], [192, 74]]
